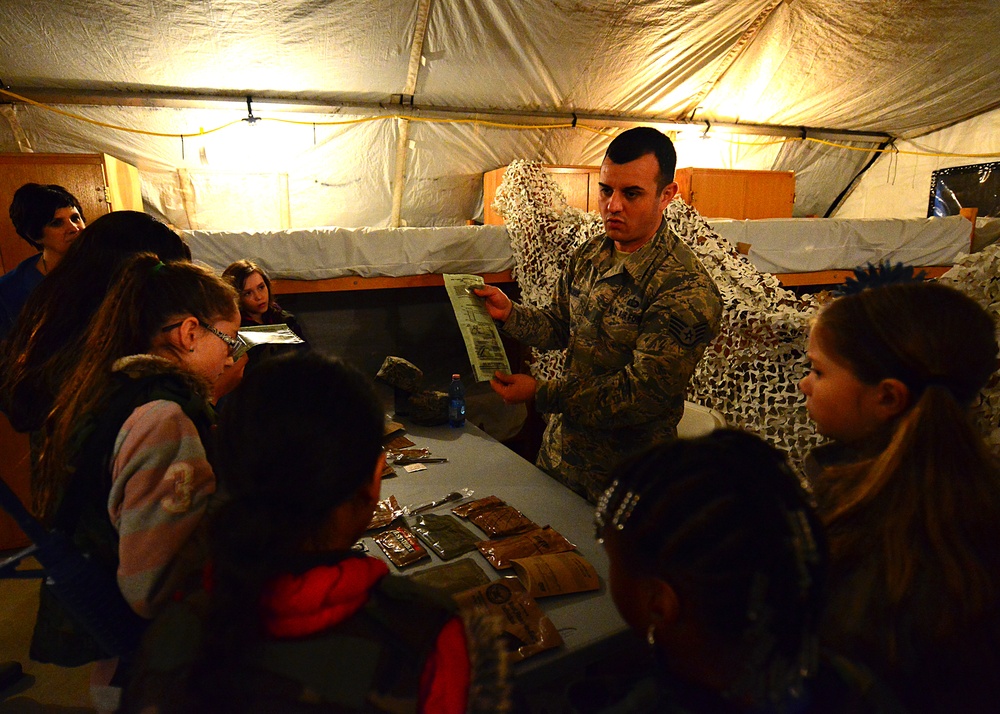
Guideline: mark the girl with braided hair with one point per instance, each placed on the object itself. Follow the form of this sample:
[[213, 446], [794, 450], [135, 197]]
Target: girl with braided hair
[[908, 491], [718, 559]]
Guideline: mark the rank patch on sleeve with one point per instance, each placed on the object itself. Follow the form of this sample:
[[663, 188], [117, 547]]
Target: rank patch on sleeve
[[685, 334]]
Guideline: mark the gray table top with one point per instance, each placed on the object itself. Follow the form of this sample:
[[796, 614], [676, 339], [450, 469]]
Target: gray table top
[[589, 623]]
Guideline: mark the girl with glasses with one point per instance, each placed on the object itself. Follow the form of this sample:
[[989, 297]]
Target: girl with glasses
[[124, 470]]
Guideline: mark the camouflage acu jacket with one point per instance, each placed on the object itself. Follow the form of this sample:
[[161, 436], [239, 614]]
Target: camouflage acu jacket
[[633, 335]]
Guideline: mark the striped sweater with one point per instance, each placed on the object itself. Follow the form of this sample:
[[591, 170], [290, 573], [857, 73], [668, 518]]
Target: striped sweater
[[161, 486]]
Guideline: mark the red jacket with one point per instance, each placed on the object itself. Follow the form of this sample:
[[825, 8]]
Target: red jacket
[[297, 605]]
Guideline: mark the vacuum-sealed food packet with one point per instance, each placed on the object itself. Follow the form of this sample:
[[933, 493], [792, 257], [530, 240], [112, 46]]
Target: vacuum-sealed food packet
[[527, 630], [454, 577], [494, 517], [537, 542], [401, 547], [466, 509], [444, 534]]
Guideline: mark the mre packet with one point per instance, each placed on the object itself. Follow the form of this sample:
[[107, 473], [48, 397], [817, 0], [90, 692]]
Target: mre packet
[[537, 542], [444, 534], [454, 577], [527, 630], [400, 546], [386, 511], [494, 517]]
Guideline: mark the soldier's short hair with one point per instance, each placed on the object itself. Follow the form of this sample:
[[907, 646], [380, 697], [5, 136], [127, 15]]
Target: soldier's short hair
[[639, 141]]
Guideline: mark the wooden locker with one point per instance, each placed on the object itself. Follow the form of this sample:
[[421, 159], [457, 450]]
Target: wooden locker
[[491, 181], [100, 182], [730, 193], [579, 183]]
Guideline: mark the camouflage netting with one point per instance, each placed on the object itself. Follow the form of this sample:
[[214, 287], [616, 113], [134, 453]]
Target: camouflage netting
[[543, 231], [978, 275], [750, 373]]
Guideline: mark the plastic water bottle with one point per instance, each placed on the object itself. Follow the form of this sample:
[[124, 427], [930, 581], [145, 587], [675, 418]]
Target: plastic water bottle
[[456, 402]]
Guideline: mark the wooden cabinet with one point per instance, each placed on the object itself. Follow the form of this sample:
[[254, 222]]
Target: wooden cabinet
[[100, 182], [729, 193], [716, 193], [579, 183]]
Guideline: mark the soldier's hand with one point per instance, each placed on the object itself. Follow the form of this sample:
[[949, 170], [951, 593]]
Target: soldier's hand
[[498, 305], [514, 388]]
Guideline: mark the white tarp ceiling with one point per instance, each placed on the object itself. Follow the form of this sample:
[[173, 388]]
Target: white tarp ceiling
[[898, 68]]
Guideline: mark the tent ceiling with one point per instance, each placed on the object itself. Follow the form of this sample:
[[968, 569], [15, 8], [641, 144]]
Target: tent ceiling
[[898, 67]]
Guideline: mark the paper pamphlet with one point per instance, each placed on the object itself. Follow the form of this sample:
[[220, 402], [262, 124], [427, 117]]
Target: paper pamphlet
[[556, 574], [480, 334]]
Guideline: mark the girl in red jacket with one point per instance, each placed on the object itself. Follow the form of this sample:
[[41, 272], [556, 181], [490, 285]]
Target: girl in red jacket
[[294, 615]]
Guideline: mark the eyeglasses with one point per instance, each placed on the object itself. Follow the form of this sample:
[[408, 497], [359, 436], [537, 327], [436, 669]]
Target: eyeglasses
[[237, 346]]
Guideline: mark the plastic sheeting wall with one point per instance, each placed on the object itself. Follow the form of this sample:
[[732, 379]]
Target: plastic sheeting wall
[[898, 185], [898, 66]]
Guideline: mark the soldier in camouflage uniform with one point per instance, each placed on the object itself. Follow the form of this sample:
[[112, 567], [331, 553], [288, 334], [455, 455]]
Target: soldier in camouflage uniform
[[635, 310]]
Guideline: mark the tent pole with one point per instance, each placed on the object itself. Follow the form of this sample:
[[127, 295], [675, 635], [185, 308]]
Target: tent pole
[[9, 112], [400, 174], [401, 105], [403, 140]]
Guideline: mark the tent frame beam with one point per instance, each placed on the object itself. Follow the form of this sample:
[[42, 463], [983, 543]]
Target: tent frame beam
[[275, 102], [403, 135]]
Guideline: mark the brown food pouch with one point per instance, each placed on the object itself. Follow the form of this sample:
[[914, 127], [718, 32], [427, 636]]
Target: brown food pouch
[[386, 511], [527, 630], [444, 534], [494, 517], [540, 541], [401, 546], [398, 442], [502, 520], [467, 509]]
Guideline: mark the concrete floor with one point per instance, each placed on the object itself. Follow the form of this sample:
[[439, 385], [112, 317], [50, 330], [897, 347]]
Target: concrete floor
[[44, 688]]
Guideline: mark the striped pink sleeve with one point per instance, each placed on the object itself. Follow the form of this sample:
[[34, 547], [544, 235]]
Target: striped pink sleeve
[[161, 484]]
